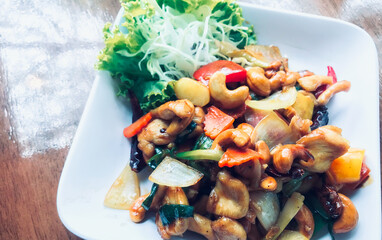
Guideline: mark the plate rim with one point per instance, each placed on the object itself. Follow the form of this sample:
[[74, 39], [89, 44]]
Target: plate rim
[[98, 77]]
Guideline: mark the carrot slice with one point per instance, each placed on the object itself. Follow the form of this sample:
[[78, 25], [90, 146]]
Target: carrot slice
[[137, 126], [236, 156], [216, 122]]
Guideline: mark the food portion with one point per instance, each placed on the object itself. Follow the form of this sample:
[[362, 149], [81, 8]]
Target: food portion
[[242, 147], [161, 41]]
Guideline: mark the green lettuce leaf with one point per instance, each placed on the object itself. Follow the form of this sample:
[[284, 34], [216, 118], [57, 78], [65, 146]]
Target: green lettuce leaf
[[187, 6], [152, 94]]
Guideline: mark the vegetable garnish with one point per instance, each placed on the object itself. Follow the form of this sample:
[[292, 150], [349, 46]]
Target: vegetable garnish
[[292, 206], [137, 126], [347, 168], [160, 154], [294, 184], [146, 204], [273, 130], [216, 121], [203, 142], [124, 191], [278, 100], [170, 212], [161, 41], [233, 71], [173, 173], [365, 171], [267, 208], [201, 154], [236, 156]]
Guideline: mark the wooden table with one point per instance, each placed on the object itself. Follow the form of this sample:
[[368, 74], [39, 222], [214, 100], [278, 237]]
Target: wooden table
[[46, 71]]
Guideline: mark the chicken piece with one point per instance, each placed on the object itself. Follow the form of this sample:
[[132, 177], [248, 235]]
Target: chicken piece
[[229, 198], [153, 134], [311, 83], [202, 225], [325, 144], [198, 119], [180, 112], [228, 229]]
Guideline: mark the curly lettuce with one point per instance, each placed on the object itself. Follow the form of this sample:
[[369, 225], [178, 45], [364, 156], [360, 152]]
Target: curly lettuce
[[161, 41]]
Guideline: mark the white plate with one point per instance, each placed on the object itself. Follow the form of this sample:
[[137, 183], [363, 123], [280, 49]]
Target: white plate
[[99, 150]]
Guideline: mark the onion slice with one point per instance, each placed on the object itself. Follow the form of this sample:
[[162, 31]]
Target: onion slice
[[278, 100], [266, 206], [173, 173], [291, 208], [124, 191], [272, 130]]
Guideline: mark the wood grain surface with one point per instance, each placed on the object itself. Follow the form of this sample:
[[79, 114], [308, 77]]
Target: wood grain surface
[[28, 184]]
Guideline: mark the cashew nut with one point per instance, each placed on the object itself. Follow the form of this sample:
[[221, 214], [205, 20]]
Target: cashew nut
[[291, 78], [275, 65], [300, 127], [257, 82], [158, 197], [311, 83], [174, 195], [285, 155], [228, 229], [305, 221], [162, 230], [229, 198], [263, 149], [349, 217], [324, 98], [247, 128], [181, 112], [202, 225], [268, 183], [153, 135], [278, 80], [229, 99], [231, 136], [136, 211]]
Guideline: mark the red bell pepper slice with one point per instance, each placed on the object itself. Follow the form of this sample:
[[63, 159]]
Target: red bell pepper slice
[[137, 126], [233, 71], [322, 88]]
